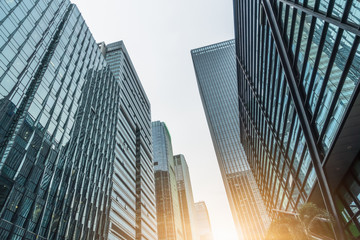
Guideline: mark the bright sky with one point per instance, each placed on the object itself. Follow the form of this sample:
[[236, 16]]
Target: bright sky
[[159, 35]]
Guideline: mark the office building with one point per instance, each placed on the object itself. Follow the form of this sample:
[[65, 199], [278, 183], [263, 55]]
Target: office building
[[169, 221], [186, 198], [134, 195], [202, 221], [215, 69], [60, 129], [298, 65]]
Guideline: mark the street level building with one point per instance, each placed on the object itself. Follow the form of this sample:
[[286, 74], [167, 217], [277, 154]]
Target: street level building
[[169, 220], [186, 198], [298, 65], [62, 111], [215, 68]]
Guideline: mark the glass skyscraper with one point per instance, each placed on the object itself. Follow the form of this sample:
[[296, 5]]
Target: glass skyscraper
[[215, 68], [298, 66], [186, 198], [61, 122], [169, 221], [202, 221], [134, 206]]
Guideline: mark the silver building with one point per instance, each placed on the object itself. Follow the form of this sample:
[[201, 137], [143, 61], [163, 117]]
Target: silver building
[[75, 140], [133, 197], [215, 68], [169, 221], [186, 198], [202, 221]]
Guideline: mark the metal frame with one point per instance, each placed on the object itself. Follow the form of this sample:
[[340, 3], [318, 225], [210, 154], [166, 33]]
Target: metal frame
[[323, 17], [308, 130], [261, 84]]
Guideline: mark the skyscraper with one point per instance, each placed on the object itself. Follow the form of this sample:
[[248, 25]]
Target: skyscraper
[[134, 206], [215, 68], [169, 221], [202, 220], [298, 73], [60, 127], [186, 198]]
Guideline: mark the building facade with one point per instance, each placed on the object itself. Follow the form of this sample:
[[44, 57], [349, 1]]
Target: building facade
[[215, 68], [133, 194], [169, 221], [298, 66], [186, 198], [59, 121], [202, 221]]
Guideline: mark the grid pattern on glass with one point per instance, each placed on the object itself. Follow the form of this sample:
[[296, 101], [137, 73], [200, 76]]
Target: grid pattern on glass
[[325, 53], [63, 116], [321, 53], [47, 56], [169, 221], [134, 194], [270, 151], [215, 68]]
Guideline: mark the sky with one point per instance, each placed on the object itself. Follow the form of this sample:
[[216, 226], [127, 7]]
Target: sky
[[159, 35]]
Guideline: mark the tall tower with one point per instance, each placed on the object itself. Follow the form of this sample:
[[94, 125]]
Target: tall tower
[[202, 221], [63, 174], [215, 68], [298, 66], [167, 200], [52, 88], [186, 197], [133, 171]]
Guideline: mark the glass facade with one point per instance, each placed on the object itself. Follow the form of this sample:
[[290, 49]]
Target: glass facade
[[169, 221], [59, 114], [133, 208], [202, 220], [298, 68], [348, 199], [215, 68], [186, 198]]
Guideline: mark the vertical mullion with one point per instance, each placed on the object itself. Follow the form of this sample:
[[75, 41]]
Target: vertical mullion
[[340, 86], [298, 44], [336, 46], [286, 20], [307, 51], [317, 61], [292, 30]]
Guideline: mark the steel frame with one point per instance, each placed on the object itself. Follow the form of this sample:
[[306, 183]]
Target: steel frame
[[308, 130], [323, 17]]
